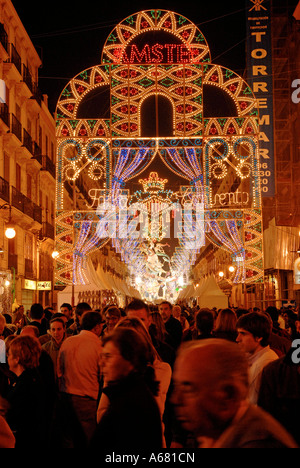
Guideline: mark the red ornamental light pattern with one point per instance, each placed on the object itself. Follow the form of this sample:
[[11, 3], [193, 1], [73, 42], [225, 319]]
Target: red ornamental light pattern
[[92, 150]]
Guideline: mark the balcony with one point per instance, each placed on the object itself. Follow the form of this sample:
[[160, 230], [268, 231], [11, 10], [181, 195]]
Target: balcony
[[13, 261], [3, 37], [16, 127], [4, 189], [4, 114], [49, 166], [27, 141], [37, 153], [37, 94], [27, 78], [14, 58], [48, 231], [29, 269], [25, 205]]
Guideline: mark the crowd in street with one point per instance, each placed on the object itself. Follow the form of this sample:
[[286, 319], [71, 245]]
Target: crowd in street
[[149, 377]]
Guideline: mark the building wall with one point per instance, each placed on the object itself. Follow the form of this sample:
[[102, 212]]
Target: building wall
[[27, 163]]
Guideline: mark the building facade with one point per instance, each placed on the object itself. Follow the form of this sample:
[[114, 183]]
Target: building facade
[[281, 215], [27, 169]]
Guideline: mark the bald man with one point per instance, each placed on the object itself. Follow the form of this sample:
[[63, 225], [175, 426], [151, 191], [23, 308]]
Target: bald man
[[210, 399]]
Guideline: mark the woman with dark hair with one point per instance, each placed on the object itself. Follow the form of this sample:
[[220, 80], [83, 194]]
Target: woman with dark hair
[[131, 419], [225, 325]]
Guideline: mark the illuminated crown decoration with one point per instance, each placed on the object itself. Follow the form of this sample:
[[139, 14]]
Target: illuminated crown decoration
[[153, 183]]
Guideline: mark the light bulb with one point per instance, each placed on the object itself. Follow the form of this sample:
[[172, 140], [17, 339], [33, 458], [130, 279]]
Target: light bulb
[[10, 232]]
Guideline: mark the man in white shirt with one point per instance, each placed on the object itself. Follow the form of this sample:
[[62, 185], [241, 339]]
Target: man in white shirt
[[254, 330], [78, 373]]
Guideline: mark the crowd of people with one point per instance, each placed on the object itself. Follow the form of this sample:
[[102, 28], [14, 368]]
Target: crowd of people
[[149, 377]]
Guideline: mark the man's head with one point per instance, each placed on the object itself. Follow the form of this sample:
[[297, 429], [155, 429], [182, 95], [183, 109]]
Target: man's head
[[112, 317], [204, 321], [80, 309], [210, 382], [273, 313], [57, 329], [139, 309], [254, 331], [92, 321], [36, 312], [176, 311], [67, 310], [30, 330], [165, 310]]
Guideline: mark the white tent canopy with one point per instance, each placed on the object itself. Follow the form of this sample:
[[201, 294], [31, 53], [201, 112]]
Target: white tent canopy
[[98, 281], [210, 295], [95, 284]]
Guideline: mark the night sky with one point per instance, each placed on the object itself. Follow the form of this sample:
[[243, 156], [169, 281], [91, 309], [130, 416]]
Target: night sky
[[69, 37]]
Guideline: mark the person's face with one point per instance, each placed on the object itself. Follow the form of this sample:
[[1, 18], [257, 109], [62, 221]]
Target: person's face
[[57, 331], [2, 326], [247, 342], [140, 314], [114, 366], [12, 361], [165, 311], [111, 321], [67, 312], [196, 397]]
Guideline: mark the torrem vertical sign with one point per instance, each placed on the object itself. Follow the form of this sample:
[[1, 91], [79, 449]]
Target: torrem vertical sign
[[259, 76]]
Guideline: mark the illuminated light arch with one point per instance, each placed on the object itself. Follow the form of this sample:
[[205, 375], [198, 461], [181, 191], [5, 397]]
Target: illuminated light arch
[[155, 20], [218, 157]]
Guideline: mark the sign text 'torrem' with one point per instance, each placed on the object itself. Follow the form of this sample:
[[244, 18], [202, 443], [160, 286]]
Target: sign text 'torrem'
[[259, 76]]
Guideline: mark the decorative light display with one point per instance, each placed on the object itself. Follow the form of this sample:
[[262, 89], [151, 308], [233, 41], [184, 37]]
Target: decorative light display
[[98, 158]]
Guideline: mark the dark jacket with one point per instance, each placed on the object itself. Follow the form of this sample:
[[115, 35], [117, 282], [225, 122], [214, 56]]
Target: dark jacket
[[257, 429], [279, 393], [174, 329], [132, 421], [26, 415]]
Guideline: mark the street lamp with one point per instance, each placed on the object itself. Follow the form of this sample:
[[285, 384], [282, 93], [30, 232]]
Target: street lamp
[[55, 254], [10, 231]]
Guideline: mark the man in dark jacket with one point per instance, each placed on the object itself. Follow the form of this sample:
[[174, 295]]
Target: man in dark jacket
[[173, 326]]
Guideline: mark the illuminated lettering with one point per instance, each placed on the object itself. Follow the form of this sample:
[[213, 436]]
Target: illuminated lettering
[[264, 153], [258, 35], [170, 48], [263, 136], [259, 53], [262, 103], [157, 53], [231, 198], [260, 86], [259, 69], [143, 56], [264, 120]]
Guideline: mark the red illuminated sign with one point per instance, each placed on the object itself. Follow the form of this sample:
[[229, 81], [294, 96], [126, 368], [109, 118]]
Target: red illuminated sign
[[157, 53]]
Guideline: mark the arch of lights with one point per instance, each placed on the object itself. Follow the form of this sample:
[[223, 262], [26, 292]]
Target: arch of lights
[[218, 157]]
